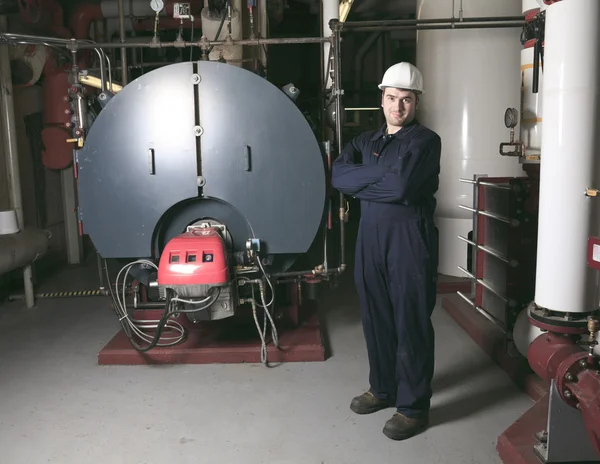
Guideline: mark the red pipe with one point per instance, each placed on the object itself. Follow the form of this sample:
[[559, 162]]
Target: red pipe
[[55, 11], [57, 152], [576, 373], [83, 18]]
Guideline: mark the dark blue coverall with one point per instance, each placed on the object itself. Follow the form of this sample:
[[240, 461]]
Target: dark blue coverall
[[396, 177]]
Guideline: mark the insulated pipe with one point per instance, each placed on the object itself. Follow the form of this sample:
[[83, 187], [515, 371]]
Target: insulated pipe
[[570, 140], [9, 132], [12, 160], [21, 249]]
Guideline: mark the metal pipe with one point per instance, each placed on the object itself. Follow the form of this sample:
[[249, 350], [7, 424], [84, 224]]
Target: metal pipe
[[123, 49], [487, 184], [510, 262], [206, 43], [148, 305], [410, 22], [434, 27], [9, 36], [483, 312], [512, 222], [11, 155], [337, 89], [483, 283]]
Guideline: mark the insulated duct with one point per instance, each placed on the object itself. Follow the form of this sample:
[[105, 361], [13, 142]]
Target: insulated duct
[[21, 249]]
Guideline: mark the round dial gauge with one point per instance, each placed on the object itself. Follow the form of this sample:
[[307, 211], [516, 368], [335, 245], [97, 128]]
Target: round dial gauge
[[157, 5], [511, 117]]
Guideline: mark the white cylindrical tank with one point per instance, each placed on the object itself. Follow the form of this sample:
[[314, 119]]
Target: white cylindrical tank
[[570, 159], [210, 27], [471, 77]]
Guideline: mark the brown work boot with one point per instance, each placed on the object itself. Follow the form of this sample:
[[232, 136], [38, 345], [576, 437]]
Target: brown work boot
[[368, 403], [400, 427]]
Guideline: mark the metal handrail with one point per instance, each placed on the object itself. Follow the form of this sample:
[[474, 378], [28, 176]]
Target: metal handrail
[[489, 251], [483, 312]]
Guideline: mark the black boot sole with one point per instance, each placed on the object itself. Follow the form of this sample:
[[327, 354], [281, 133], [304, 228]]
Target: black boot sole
[[399, 436], [357, 408]]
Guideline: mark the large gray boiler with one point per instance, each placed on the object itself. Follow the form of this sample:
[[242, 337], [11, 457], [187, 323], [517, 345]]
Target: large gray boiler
[[201, 141]]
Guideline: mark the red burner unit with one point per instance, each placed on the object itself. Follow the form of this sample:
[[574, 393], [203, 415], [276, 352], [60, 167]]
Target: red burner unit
[[194, 262]]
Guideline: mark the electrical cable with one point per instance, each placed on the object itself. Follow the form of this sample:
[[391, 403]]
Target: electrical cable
[[135, 327]]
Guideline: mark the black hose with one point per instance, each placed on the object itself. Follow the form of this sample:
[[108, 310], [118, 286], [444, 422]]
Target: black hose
[[536, 66]]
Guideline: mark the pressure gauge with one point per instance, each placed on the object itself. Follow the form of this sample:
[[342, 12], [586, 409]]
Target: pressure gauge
[[157, 5], [511, 117]]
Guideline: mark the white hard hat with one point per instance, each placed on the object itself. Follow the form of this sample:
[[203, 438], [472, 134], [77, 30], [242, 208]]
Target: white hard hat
[[403, 76]]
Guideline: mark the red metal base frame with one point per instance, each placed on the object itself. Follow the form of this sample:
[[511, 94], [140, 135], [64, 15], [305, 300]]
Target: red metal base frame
[[515, 445], [491, 340], [222, 342]]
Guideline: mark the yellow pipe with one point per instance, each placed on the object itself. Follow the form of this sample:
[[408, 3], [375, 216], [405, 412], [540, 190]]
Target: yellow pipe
[[95, 82]]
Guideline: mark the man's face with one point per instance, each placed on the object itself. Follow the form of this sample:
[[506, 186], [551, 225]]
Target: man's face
[[399, 106]]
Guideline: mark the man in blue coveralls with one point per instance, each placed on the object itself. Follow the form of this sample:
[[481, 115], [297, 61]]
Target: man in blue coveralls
[[394, 172]]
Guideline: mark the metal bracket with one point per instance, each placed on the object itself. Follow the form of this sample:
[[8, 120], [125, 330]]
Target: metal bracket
[[566, 439]]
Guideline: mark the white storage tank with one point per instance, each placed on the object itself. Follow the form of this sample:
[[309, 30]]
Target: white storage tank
[[471, 77], [569, 163]]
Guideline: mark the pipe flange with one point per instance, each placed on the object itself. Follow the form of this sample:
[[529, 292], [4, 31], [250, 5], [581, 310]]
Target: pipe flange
[[559, 322], [568, 373]]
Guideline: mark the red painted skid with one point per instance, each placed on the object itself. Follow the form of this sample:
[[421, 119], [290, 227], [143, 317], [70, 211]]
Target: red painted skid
[[515, 445], [221, 342]]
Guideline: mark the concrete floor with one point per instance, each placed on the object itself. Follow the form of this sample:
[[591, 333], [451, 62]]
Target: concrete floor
[[58, 406]]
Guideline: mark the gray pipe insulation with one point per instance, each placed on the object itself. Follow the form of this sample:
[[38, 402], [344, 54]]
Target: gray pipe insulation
[[23, 248]]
